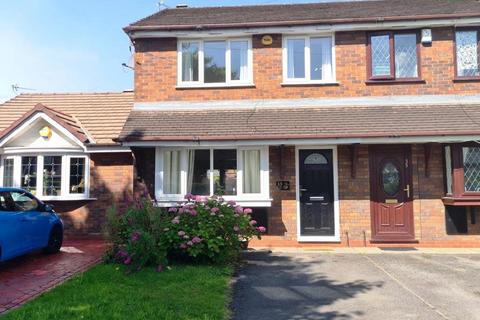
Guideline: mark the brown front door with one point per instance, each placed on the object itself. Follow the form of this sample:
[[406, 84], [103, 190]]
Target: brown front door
[[391, 193]]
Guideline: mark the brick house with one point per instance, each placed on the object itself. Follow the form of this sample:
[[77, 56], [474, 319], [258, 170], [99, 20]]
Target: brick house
[[337, 123]]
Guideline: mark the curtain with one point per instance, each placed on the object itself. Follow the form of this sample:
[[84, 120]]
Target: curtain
[[191, 164], [327, 58], [189, 56], [291, 59], [251, 169], [171, 172]]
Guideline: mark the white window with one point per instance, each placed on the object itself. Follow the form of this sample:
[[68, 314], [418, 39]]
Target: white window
[[235, 173], [309, 59], [215, 62], [48, 176]]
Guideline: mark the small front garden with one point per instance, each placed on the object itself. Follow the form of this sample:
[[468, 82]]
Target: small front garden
[[171, 263], [105, 292]]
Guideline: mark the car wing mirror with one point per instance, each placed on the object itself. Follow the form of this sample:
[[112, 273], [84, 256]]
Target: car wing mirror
[[48, 207]]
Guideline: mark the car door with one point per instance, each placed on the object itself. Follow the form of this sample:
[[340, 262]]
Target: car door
[[12, 240], [35, 224]]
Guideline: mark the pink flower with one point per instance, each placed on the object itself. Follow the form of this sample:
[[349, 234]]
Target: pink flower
[[253, 222], [214, 210], [196, 240], [173, 209], [239, 210], [122, 254], [231, 203], [193, 212], [183, 246], [190, 243], [247, 211], [221, 200], [199, 199], [189, 196], [262, 229], [181, 210], [236, 229], [135, 236], [127, 261], [181, 233], [175, 221]]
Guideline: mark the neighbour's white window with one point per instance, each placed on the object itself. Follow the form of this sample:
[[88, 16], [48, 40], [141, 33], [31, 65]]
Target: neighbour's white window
[[467, 53], [309, 59], [231, 172], [47, 176], [215, 62]]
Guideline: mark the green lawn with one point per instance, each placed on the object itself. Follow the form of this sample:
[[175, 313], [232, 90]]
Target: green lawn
[[105, 292]]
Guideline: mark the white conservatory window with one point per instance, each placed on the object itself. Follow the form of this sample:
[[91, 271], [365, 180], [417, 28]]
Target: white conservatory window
[[49, 177]]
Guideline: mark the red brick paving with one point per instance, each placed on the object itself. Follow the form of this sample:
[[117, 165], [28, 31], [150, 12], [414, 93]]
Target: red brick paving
[[24, 278]]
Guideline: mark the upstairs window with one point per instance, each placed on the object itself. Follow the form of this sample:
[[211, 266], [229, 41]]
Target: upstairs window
[[393, 56], [308, 59], [467, 54], [215, 62]]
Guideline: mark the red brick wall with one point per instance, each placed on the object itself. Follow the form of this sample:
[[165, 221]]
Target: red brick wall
[[111, 177], [156, 72], [354, 196]]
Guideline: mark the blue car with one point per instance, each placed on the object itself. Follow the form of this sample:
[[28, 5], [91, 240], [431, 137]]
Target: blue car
[[27, 224]]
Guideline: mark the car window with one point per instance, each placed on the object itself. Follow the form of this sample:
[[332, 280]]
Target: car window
[[24, 202], [6, 202]]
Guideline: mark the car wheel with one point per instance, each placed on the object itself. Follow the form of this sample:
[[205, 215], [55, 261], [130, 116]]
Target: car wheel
[[54, 241]]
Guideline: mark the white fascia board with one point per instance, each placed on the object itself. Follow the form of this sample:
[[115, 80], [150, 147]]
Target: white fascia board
[[26, 125], [308, 102], [314, 29], [306, 142]]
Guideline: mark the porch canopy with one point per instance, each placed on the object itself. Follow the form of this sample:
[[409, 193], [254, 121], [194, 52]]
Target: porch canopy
[[300, 121]]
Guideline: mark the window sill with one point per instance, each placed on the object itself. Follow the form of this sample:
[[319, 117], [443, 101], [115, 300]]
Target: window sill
[[64, 199], [399, 81], [462, 201], [260, 202], [330, 239], [309, 83], [214, 86], [466, 79]]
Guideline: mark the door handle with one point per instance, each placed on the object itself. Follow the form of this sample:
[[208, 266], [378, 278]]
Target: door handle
[[407, 190]]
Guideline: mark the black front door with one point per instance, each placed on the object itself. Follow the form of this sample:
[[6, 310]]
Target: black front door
[[317, 216]]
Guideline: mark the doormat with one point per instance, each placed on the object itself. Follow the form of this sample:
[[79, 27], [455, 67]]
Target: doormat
[[398, 249]]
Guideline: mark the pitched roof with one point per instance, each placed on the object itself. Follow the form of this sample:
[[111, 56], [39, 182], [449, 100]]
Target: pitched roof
[[65, 120], [97, 115], [305, 14], [302, 123]]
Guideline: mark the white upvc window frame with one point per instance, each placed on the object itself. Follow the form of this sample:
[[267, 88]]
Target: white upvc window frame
[[65, 182], [307, 79], [201, 64], [261, 199]]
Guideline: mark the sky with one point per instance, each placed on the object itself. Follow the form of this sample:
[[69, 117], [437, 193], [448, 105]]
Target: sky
[[75, 46]]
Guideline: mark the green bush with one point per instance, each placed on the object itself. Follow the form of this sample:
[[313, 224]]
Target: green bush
[[200, 229]]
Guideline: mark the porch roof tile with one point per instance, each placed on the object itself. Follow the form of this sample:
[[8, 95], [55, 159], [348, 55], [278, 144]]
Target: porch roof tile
[[302, 123], [98, 115]]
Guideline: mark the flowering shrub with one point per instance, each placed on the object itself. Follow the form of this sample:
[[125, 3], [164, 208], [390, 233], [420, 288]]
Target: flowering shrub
[[199, 229]]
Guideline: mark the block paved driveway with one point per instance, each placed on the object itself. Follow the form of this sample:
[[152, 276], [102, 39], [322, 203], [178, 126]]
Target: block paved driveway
[[358, 286], [25, 277]]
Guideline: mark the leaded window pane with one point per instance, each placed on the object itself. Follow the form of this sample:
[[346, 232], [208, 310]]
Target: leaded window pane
[[406, 56], [380, 51], [471, 168], [215, 61], [467, 53], [29, 174], [8, 172], [190, 61], [77, 175], [52, 175]]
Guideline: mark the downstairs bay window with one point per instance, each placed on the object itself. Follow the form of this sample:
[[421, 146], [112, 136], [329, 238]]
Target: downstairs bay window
[[240, 174], [49, 177], [462, 174]]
